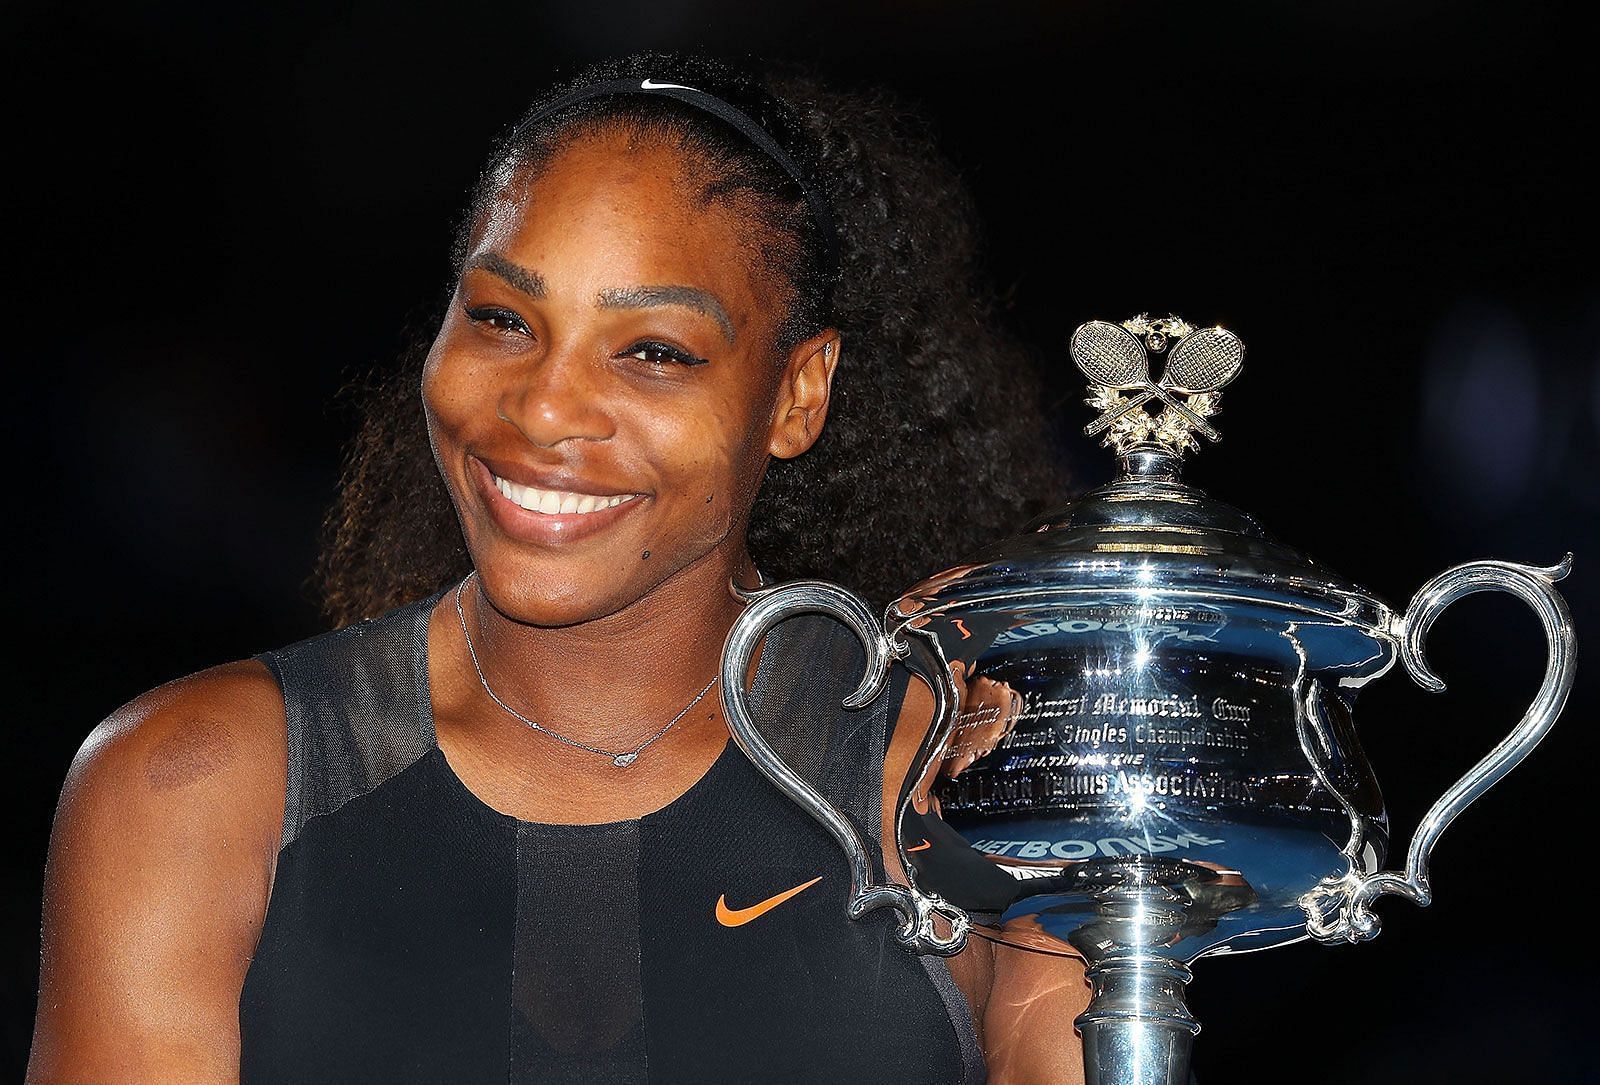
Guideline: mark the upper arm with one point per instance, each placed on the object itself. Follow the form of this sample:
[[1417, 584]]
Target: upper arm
[[1034, 994], [1015, 995], [972, 968], [160, 867]]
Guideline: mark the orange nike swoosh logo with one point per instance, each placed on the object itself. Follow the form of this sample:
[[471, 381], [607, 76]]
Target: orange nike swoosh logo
[[738, 917], [924, 846]]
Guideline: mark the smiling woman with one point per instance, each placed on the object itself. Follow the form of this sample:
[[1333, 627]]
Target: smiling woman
[[595, 352], [495, 828]]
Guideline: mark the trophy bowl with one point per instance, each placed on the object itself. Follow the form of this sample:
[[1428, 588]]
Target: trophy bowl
[[1143, 749]]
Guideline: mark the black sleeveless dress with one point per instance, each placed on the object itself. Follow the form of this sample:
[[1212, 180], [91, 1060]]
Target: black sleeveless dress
[[415, 935]]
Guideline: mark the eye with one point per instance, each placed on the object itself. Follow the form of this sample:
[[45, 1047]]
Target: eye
[[661, 354], [499, 319]]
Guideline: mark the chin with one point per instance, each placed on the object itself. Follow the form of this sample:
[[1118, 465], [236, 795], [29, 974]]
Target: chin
[[568, 587], [538, 594]]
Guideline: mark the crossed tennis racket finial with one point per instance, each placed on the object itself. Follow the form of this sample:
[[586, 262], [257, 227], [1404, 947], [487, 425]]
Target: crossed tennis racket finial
[[1199, 364]]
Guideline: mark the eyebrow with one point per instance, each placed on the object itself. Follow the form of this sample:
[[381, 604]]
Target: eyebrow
[[689, 297], [529, 282]]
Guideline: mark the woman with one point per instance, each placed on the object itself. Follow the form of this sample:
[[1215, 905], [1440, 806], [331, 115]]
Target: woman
[[499, 830]]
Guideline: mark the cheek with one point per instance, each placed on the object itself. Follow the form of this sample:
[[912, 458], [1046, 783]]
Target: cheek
[[453, 405], [435, 401], [716, 467], [437, 377], [451, 394]]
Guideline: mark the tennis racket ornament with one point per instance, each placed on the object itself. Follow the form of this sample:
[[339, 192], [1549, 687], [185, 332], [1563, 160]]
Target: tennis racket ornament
[[1143, 750]]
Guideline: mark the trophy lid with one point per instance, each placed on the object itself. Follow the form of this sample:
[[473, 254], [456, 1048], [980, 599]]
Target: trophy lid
[[1148, 534]]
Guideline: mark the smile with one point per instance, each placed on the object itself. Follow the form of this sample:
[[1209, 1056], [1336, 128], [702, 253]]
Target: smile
[[557, 502]]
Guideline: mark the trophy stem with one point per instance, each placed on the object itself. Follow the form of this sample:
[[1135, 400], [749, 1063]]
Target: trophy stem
[[1137, 1029]]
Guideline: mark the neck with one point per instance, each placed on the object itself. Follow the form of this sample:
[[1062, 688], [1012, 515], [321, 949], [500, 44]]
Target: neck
[[613, 681]]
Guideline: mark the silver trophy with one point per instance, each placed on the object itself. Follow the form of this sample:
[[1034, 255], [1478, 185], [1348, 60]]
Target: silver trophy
[[1143, 750]]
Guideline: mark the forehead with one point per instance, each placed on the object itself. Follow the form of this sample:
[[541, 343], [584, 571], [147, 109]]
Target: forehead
[[619, 209]]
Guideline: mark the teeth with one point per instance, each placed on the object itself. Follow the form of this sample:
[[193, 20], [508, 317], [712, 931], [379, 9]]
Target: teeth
[[552, 502]]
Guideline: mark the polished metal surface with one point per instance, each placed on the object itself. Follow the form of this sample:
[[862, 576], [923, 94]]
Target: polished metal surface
[[1144, 748], [768, 606], [1339, 909], [1116, 361]]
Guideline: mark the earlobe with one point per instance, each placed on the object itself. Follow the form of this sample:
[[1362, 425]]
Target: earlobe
[[804, 393]]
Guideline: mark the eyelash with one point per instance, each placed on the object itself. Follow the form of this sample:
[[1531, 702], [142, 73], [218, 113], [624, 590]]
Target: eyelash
[[505, 320], [490, 315], [648, 346]]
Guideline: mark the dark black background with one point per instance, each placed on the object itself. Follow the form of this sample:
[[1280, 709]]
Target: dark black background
[[216, 213]]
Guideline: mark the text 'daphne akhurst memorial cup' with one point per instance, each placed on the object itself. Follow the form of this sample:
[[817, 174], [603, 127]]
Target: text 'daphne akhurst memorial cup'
[[1143, 750]]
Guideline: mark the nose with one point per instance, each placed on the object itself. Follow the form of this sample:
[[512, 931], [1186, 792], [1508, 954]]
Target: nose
[[558, 397]]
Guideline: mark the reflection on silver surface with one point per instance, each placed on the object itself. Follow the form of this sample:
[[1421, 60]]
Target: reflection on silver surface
[[1145, 751]]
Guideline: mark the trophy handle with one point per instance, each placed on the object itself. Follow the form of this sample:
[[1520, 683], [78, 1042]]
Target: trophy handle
[[768, 607], [1339, 910]]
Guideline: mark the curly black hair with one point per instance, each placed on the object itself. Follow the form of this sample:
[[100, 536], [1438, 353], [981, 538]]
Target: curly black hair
[[934, 442]]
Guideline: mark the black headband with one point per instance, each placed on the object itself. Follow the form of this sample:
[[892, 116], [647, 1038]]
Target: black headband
[[821, 213]]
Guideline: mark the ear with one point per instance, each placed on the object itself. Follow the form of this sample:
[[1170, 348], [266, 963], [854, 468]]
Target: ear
[[803, 392]]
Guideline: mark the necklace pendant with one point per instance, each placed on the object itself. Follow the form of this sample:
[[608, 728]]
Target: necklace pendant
[[623, 760]]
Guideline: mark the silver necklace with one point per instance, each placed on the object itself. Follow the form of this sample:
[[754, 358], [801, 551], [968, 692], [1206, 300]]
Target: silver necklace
[[619, 758]]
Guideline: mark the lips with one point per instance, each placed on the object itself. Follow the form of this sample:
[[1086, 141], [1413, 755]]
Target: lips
[[548, 508]]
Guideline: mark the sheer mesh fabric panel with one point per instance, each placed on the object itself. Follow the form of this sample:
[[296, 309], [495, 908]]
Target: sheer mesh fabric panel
[[355, 708], [797, 700], [810, 665], [358, 716], [577, 1013], [577, 1000]]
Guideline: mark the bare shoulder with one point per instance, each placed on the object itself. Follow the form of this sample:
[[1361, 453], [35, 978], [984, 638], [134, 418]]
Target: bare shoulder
[[189, 729], [160, 868], [206, 748]]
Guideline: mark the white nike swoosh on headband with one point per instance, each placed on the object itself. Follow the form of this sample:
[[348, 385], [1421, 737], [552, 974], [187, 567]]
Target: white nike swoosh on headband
[[650, 84]]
